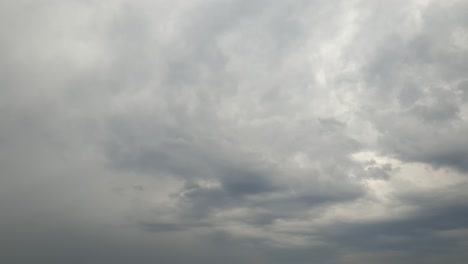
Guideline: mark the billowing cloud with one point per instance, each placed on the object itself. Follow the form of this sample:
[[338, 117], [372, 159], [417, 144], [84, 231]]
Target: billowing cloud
[[233, 131]]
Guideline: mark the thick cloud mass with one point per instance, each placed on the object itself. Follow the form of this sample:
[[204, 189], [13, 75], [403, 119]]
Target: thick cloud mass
[[233, 131]]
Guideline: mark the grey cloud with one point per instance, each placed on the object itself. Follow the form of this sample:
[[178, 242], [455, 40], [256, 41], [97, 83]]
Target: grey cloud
[[414, 236], [422, 71], [163, 227], [232, 131], [419, 227], [241, 182]]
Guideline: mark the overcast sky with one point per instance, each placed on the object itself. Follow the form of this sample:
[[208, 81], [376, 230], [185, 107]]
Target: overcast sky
[[233, 131]]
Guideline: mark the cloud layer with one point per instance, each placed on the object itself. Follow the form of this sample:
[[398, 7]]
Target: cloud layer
[[233, 131]]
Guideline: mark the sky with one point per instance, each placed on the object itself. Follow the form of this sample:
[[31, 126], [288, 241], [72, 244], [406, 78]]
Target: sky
[[233, 131]]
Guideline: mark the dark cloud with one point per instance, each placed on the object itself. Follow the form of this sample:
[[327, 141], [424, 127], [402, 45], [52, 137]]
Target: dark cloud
[[230, 131]]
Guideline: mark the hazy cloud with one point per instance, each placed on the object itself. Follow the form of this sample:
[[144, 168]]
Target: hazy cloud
[[233, 131]]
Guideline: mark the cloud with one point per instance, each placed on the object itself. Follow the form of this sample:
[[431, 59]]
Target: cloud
[[208, 131]]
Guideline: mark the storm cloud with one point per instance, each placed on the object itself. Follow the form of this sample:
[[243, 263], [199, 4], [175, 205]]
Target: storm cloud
[[233, 131]]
